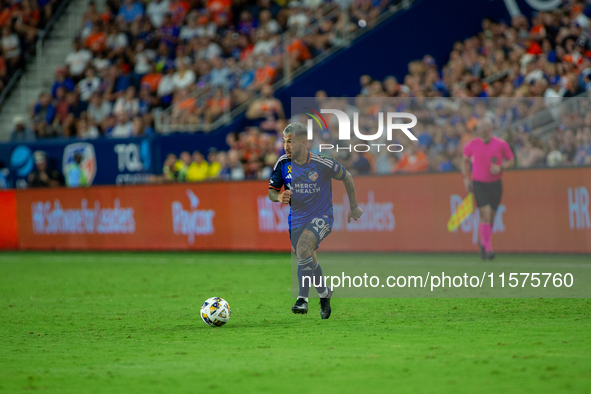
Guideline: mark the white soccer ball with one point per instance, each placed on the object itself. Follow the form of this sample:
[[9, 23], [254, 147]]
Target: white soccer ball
[[215, 311]]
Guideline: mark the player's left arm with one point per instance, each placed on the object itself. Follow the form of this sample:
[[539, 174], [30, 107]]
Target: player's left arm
[[355, 211], [336, 171]]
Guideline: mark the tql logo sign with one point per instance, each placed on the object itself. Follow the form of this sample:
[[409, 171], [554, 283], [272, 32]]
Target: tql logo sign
[[392, 124]]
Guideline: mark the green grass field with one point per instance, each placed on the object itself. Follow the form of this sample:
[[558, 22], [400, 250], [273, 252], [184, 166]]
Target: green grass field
[[129, 323]]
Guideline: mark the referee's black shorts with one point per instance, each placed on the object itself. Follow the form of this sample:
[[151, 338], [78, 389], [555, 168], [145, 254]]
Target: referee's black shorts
[[488, 193]]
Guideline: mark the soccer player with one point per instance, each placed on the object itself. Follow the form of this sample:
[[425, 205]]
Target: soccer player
[[308, 189], [489, 156]]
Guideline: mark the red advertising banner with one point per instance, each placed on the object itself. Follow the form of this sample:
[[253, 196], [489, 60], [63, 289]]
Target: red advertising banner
[[207, 216], [8, 224], [544, 210]]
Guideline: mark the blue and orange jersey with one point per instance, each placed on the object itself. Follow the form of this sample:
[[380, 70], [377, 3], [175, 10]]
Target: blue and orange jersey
[[311, 185]]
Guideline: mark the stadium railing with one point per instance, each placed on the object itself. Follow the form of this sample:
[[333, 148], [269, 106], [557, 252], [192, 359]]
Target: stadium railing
[[44, 35], [41, 38], [165, 123], [545, 121]]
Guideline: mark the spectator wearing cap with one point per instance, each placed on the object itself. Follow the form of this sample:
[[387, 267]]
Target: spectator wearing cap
[[43, 176], [21, 132]]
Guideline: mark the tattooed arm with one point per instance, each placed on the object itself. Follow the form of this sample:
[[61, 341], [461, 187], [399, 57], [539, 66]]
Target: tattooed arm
[[276, 196], [355, 212]]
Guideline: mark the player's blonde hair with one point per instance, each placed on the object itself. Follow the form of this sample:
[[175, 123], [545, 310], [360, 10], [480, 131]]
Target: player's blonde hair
[[296, 129]]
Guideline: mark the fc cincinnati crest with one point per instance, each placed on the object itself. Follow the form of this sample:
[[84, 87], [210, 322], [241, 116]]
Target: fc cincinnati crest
[[313, 175]]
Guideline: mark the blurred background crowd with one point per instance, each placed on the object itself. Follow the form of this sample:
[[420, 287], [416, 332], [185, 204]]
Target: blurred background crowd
[[137, 57], [20, 23]]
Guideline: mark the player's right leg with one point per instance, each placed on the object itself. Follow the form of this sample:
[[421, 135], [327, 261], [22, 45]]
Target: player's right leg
[[305, 242], [324, 292]]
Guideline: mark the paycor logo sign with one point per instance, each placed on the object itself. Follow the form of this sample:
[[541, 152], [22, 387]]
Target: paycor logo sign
[[392, 123]]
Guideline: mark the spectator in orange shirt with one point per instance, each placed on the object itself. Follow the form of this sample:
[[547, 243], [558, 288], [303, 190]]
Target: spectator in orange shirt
[[216, 106], [412, 161], [97, 39], [265, 75], [184, 108], [6, 13], [151, 80], [298, 52], [218, 7]]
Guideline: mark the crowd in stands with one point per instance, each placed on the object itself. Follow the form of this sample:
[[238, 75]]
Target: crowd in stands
[[252, 155], [445, 126], [506, 73], [20, 23], [142, 55], [509, 71]]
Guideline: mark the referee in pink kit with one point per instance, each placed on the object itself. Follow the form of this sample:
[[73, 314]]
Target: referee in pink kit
[[489, 156]]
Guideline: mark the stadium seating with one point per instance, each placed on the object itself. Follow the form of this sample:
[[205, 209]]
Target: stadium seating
[[20, 23], [548, 58], [137, 58], [167, 59]]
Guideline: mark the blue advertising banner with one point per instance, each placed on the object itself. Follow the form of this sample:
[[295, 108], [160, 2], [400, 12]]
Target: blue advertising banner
[[84, 162]]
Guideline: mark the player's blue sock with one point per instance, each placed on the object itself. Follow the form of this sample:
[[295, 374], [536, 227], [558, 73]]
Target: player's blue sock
[[305, 274], [319, 282]]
